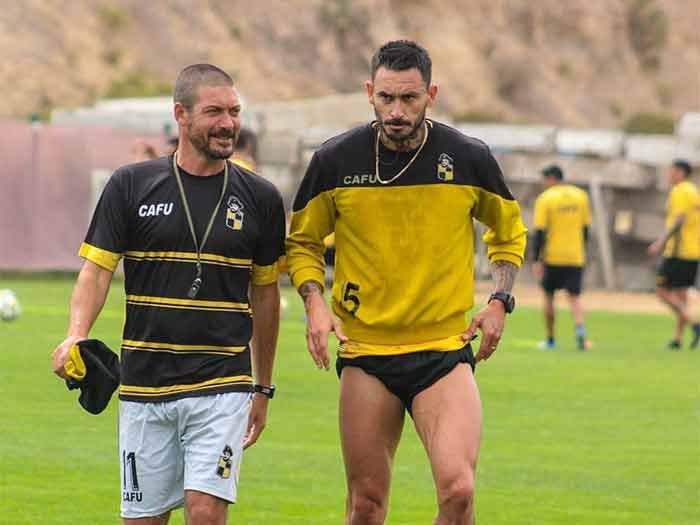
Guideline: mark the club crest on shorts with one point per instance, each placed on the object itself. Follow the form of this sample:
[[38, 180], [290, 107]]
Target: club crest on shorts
[[234, 213], [223, 467], [445, 168]]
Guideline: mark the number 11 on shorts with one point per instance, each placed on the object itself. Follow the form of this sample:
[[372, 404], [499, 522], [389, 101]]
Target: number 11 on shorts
[[130, 477]]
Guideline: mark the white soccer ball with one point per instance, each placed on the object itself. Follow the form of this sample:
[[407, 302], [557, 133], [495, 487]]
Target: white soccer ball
[[9, 305]]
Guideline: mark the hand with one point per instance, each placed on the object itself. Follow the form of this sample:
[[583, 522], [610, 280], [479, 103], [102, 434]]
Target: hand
[[655, 248], [490, 321], [60, 355], [320, 322], [257, 419], [538, 270]]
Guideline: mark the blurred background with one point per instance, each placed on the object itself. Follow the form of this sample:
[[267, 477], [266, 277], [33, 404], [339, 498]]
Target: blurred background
[[609, 89]]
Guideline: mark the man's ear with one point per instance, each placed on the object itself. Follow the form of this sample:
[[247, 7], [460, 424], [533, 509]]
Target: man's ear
[[432, 94], [369, 86], [180, 113]]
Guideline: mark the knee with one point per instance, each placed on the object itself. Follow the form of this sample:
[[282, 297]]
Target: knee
[[664, 294], [205, 511], [457, 494], [367, 507]]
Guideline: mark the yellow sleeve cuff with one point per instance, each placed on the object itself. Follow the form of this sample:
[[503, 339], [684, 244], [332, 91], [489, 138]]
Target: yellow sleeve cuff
[[263, 275], [504, 256], [308, 274], [103, 258]]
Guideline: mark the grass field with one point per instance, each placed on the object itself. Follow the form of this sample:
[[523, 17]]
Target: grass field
[[611, 436]]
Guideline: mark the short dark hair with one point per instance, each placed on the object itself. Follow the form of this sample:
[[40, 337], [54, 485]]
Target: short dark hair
[[247, 137], [192, 77], [400, 55], [553, 170], [684, 166]]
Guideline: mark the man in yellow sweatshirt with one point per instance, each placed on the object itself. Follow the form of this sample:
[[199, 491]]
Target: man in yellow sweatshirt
[[400, 193]]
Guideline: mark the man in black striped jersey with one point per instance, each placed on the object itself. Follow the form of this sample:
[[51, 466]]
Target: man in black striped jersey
[[196, 232], [400, 195]]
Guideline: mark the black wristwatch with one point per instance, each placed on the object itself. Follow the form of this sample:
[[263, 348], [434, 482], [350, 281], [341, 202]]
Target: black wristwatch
[[507, 300], [267, 391]]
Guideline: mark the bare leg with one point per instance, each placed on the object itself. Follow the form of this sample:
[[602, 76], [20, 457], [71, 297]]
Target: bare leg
[[577, 313], [576, 308], [448, 420], [682, 299], [671, 298], [549, 317], [371, 421], [156, 520], [204, 509]]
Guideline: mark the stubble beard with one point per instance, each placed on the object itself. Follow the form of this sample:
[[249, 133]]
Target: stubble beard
[[403, 140], [200, 142]]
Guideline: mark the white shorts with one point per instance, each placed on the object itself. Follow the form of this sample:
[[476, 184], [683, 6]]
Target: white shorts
[[165, 448]]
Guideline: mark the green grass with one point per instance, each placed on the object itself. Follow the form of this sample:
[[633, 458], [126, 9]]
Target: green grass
[[611, 436]]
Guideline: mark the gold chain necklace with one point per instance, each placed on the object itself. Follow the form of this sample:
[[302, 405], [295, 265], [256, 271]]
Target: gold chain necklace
[[415, 155]]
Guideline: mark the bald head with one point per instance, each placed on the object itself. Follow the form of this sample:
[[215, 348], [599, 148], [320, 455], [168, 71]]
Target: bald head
[[193, 77]]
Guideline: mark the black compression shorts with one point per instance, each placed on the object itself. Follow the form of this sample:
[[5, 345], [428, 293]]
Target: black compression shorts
[[407, 375]]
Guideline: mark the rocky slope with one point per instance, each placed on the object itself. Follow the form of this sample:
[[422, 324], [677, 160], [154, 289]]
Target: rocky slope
[[566, 62]]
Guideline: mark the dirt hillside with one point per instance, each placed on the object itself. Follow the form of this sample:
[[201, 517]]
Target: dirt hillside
[[573, 62]]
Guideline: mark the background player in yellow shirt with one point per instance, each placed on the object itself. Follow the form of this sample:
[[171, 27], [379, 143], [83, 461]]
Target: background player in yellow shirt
[[562, 218], [681, 251]]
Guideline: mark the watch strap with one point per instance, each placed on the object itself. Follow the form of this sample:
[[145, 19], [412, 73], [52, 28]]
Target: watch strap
[[507, 299], [267, 391]]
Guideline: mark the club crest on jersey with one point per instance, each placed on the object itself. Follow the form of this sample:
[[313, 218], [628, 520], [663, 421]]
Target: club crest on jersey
[[234, 213], [223, 466], [445, 168]]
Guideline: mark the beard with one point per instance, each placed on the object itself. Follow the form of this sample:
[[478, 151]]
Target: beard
[[403, 137], [201, 141]]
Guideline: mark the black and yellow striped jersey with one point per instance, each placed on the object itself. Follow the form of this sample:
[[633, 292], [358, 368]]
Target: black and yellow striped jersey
[[404, 271], [684, 200], [562, 212], [174, 346]]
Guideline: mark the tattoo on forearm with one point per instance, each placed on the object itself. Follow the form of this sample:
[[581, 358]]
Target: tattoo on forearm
[[504, 273], [308, 288], [674, 229]]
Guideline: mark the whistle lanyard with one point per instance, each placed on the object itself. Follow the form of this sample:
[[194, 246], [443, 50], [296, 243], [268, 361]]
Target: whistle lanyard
[[197, 283]]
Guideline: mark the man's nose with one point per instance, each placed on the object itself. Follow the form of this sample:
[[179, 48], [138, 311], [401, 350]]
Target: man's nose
[[229, 121], [396, 109]]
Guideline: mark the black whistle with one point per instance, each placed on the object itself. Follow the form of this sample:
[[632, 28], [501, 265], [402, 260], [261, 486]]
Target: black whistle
[[194, 289]]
